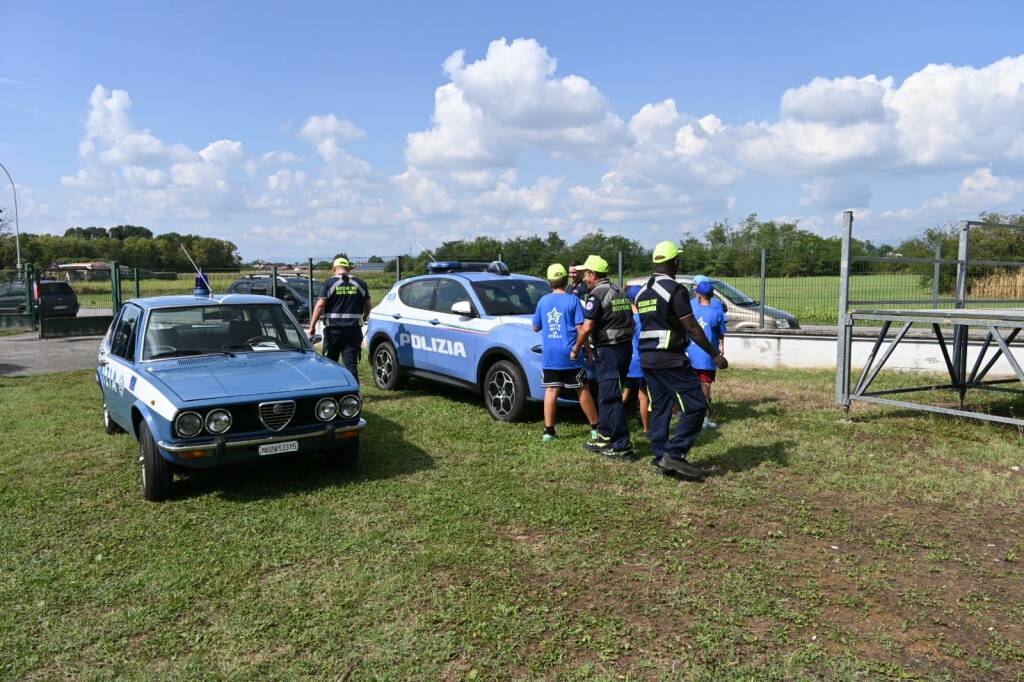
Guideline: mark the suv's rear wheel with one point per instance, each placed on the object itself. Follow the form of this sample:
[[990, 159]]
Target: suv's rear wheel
[[386, 372], [505, 391]]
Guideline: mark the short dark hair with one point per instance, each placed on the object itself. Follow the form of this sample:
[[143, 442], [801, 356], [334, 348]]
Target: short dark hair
[[559, 283]]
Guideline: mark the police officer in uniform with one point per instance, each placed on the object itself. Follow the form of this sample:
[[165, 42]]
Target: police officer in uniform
[[608, 325], [346, 300], [667, 326]]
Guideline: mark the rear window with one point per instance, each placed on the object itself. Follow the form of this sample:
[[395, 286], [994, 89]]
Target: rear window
[[55, 288]]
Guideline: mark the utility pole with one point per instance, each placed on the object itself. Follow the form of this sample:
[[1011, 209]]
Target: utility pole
[[17, 228]]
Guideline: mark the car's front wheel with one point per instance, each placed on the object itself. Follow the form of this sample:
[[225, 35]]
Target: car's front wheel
[[157, 475], [110, 427], [505, 391], [346, 455], [385, 367]]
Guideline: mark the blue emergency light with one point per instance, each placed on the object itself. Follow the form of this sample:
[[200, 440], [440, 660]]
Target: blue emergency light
[[494, 267], [202, 289]]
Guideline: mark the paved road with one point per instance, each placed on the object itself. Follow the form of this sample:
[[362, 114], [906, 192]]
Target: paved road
[[28, 354]]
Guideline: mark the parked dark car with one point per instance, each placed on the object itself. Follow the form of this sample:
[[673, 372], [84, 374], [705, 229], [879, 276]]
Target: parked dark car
[[293, 289], [12, 297], [52, 298]]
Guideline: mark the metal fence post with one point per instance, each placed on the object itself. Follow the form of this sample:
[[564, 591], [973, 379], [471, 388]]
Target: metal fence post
[[764, 292], [843, 326], [936, 274], [273, 282], [115, 286], [138, 290], [29, 275], [309, 287], [620, 268], [398, 268]]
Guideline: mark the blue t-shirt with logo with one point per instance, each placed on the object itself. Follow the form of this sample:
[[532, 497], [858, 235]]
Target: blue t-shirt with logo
[[557, 316], [635, 372], [712, 320]]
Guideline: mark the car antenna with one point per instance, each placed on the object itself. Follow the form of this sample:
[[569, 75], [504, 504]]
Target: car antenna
[[200, 277], [426, 251]]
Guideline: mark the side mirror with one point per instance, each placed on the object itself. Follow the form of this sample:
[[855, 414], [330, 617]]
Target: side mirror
[[464, 308], [316, 338]]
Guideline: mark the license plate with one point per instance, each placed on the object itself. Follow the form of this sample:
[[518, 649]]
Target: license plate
[[60, 307], [278, 448]]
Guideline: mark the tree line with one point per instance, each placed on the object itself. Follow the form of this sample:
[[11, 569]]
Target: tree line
[[131, 245]]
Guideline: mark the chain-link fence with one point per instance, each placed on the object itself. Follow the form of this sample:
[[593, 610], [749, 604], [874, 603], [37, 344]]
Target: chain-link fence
[[761, 290]]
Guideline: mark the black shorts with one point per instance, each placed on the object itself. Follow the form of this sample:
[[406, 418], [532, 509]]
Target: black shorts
[[564, 378], [636, 384]]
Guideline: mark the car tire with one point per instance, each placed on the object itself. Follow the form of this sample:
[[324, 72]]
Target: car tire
[[387, 374], [110, 427], [157, 474], [505, 390], [346, 455]]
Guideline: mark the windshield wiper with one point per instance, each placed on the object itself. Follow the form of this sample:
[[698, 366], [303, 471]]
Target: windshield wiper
[[280, 346], [182, 352]]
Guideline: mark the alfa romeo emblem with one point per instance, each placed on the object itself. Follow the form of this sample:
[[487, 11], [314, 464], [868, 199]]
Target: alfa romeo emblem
[[278, 409]]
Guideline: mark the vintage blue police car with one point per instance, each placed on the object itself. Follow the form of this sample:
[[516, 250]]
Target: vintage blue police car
[[464, 324], [204, 380]]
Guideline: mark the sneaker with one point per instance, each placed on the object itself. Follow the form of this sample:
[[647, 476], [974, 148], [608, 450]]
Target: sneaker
[[680, 467], [595, 435], [548, 437], [609, 452], [708, 424], [596, 446], [646, 435]]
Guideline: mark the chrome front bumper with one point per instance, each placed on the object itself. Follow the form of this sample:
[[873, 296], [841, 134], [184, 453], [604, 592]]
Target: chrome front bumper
[[265, 440]]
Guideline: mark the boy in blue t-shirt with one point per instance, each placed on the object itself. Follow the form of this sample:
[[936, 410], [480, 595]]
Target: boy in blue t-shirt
[[635, 382], [559, 319], [712, 321]]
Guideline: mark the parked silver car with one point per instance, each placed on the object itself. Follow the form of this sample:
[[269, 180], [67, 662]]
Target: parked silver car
[[742, 311]]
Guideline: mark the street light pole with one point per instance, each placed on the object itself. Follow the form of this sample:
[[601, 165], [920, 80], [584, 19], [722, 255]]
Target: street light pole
[[17, 229]]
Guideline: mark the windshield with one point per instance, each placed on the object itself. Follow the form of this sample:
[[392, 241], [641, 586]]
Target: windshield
[[732, 293], [224, 329], [510, 296]]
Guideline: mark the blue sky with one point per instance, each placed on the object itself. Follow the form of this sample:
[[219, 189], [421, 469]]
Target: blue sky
[[286, 128]]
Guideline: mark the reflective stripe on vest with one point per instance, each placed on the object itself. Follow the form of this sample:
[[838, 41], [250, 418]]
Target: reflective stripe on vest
[[660, 329], [616, 326]]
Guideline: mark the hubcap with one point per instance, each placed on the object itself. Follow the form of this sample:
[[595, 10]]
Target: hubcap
[[383, 367], [501, 393]]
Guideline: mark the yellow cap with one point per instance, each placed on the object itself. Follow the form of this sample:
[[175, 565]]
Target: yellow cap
[[342, 263], [665, 251], [595, 264], [556, 271]]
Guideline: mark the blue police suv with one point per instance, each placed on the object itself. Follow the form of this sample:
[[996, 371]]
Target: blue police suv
[[464, 324], [202, 381]]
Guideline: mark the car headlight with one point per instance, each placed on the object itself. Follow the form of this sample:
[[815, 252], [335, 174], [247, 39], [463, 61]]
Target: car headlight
[[782, 323], [218, 421], [188, 424], [326, 409], [350, 406]]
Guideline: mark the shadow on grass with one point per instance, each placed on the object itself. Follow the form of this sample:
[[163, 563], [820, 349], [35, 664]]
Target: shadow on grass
[[745, 457], [383, 453]]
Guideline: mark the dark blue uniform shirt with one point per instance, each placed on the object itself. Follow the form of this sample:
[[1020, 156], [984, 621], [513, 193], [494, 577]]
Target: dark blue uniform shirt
[[346, 298]]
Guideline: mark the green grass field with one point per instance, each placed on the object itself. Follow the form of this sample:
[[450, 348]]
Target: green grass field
[[814, 300], [885, 548]]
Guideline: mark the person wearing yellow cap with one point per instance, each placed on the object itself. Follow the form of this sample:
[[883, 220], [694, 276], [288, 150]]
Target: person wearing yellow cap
[[345, 304], [608, 325], [667, 327], [559, 319]]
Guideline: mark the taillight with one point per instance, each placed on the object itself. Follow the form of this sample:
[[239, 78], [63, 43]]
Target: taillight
[[35, 290]]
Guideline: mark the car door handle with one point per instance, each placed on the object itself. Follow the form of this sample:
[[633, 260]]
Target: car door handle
[[435, 322], [397, 316], [102, 361]]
